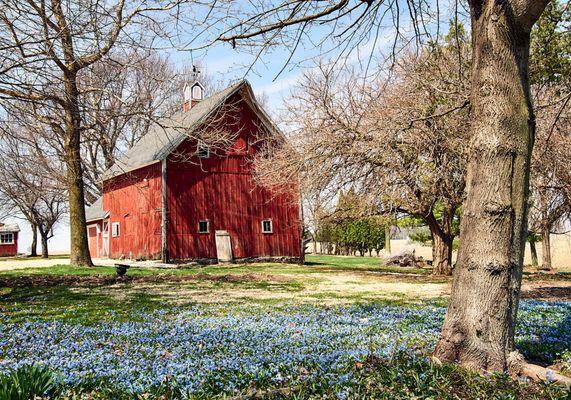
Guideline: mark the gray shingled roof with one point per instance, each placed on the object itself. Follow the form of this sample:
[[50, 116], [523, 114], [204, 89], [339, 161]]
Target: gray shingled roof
[[95, 211], [166, 135], [9, 228]]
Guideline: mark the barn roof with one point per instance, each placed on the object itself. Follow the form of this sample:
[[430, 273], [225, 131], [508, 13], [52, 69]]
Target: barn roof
[[95, 211], [167, 134], [9, 227]]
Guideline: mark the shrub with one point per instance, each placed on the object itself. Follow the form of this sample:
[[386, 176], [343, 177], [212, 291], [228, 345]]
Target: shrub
[[421, 236]]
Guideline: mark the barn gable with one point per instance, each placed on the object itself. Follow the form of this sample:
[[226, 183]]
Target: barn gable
[[167, 134]]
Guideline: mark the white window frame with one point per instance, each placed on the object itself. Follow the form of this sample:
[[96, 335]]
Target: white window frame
[[113, 232], [271, 226], [197, 95], [207, 226], [201, 146], [5, 234]]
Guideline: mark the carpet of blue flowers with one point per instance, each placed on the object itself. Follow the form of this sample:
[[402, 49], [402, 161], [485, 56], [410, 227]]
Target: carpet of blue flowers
[[213, 349]]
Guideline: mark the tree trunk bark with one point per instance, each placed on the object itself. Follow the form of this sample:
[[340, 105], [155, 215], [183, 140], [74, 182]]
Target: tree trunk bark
[[441, 241], [34, 246], [442, 254], [533, 249], [44, 245], [388, 240], [478, 330], [546, 249], [79, 246]]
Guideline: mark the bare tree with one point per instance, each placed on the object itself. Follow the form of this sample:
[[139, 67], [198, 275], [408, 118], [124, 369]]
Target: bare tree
[[550, 176], [551, 89], [29, 189], [44, 47], [400, 141], [479, 327], [124, 95]]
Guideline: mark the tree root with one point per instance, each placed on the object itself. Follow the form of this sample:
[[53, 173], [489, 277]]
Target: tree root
[[517, 366]]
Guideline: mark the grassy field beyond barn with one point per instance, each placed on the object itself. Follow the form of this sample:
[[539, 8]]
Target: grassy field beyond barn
[[337, 327]]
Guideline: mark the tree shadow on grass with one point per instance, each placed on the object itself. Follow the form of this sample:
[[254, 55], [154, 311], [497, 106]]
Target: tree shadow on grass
[[90, 304]]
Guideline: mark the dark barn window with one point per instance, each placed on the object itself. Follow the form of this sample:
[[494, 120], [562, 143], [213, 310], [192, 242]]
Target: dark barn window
[[7, 238], [267, 226], [203, 226]]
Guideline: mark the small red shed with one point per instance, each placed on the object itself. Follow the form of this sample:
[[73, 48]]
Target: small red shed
[[9, 239], [187, 189]]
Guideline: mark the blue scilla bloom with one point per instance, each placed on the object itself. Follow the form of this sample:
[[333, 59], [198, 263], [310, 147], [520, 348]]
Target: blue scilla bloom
[[207, 349]]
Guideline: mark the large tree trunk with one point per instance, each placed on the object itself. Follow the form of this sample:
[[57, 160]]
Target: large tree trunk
[[546, 248], [442, 239], [478, 330], [388, 240], [34, 245], [442, 254], [533, 249], [78, 230], [44, 245]]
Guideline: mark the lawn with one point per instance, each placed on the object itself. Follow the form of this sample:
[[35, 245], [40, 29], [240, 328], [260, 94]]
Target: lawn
[[337, 327]]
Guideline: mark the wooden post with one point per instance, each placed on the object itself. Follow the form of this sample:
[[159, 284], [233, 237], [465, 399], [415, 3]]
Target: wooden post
[[164, 250]]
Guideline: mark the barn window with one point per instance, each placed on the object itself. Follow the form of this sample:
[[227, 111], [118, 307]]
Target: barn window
[[203, 226], [267, 226], [7, 238], [203, 150], [115, 229]]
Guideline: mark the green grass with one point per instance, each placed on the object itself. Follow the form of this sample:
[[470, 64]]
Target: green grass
[[88, 295], [314, 264], [402, 377], [91, 294], [58, 270], [365, 263]]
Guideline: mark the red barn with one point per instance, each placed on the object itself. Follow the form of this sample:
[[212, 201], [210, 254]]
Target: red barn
[[186, 190], [9, 239]]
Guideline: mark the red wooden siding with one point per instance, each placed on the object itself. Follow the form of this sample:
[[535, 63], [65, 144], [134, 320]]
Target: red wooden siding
[[134, 201], [231, 202], [7, 250], [221, 189]]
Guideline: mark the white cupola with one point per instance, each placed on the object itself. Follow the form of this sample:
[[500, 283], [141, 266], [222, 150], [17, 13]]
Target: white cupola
[[193, 92]]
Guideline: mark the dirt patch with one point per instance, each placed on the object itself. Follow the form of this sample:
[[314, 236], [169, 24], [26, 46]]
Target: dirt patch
[[373, 285]]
